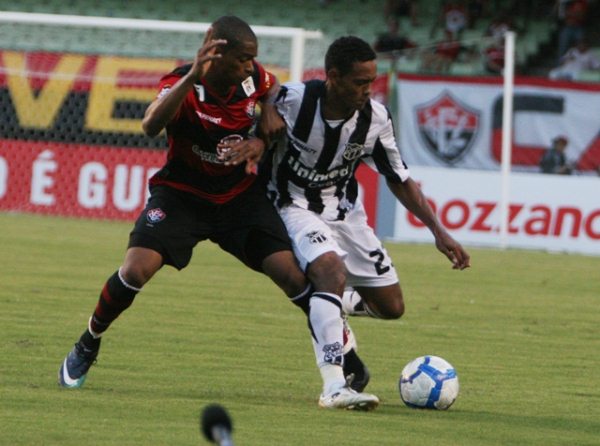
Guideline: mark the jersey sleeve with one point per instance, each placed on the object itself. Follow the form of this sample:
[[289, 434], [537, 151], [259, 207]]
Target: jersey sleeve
[[288, 101], [385, 157], [266, 80], [165, 84]]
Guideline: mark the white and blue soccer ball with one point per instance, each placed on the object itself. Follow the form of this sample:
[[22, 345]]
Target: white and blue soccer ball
[[429, 382]]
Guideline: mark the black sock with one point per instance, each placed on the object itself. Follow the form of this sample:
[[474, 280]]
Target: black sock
[[116, 297], [302, 300], [88, 341]]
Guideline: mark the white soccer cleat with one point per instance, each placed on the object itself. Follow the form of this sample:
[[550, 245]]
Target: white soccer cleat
[[346, 398], [353, 304]]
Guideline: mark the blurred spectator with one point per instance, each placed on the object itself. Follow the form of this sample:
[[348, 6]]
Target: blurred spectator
[[559, 10], [476, 9], [399, 9], [572, 28], [524, 9], [441, 57], [392, 40], [493, 57], [453, 17], [499, 25], [575, 60], [554, 160]]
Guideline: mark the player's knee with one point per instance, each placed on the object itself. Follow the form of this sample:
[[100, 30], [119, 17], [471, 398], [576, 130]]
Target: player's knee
[[328, 273], [136, 275], [132, 277], [140, 265], [392, 308], [395, 310]]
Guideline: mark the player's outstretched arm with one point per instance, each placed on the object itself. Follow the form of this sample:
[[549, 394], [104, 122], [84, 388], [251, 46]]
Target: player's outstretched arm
[[271, 125], [163, 109], [410, 195]]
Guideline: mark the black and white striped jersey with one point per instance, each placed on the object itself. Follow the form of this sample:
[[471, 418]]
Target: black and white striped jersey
[[313, 166]]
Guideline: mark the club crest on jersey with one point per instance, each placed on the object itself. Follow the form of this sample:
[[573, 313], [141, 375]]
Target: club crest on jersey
[[447, 126], [316, 237], [223, 152], [155, 215], [248, 86], [251, 109], [353, 151]]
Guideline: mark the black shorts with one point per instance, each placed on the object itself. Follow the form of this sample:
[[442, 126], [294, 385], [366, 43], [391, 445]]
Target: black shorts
[[173, 223]]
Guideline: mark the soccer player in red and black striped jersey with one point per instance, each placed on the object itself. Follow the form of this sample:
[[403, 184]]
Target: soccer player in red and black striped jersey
[[204, 191]]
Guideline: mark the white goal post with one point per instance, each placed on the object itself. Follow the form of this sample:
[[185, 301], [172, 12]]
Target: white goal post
[[297, 36], [507, 129]]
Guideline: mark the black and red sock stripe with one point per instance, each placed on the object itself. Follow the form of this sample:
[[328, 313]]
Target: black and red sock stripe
[[116, 296]]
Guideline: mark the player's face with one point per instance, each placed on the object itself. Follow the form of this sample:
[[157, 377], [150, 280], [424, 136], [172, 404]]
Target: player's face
[[236, 64], [354, 88]]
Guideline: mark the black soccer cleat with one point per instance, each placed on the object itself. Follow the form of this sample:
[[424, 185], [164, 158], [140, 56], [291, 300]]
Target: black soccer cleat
[[74, 368], [356, 372]]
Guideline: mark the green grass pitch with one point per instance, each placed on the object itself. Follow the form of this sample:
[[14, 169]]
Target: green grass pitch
[[521, 328]]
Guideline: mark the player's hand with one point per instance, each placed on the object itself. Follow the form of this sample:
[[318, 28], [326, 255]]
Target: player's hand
[[453, 250], [245, 150], [205, 55]]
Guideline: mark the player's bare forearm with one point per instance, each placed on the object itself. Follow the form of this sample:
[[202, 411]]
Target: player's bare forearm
[[271, 125], [410, 195], [271, 95], [164, 108]]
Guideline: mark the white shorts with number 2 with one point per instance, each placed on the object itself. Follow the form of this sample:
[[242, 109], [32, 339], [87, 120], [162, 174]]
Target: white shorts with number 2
[[367, 262]]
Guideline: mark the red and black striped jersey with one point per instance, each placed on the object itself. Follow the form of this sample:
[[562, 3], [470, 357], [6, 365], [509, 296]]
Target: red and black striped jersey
[[202, 121]]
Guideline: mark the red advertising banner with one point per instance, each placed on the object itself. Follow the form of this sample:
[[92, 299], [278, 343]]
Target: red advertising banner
[[75, 180], [95, 182]]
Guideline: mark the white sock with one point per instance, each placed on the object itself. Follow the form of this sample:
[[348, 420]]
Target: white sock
[[327, 327], [333, 378]]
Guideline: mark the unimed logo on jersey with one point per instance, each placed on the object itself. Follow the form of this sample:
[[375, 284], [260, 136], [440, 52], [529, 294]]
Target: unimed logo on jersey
[[447, 126]]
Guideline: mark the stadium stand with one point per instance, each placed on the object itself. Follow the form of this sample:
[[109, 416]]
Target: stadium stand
[[360, 17]]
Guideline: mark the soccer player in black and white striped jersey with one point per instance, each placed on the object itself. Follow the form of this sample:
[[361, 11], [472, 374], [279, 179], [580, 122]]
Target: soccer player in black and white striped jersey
[[332, 126]]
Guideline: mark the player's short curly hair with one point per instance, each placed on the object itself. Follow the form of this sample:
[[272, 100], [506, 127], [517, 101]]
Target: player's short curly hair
[[234, 30], [345, 51]]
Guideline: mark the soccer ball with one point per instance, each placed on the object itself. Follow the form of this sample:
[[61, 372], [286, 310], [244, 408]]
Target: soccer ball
[[429, 382]]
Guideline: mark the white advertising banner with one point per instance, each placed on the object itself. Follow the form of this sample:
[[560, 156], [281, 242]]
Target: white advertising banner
[[447, 121], [550, 212]]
